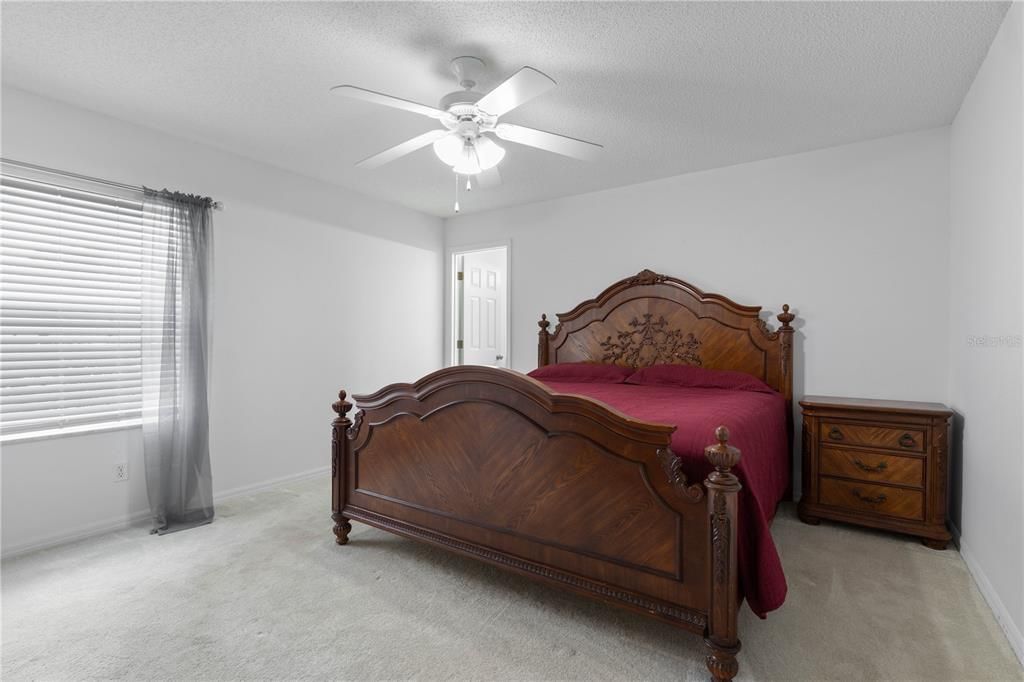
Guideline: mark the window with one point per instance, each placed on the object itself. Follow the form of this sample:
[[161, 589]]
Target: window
[[70, 308]]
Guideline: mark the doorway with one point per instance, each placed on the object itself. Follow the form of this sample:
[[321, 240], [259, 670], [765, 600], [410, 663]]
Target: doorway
[[480, 293]]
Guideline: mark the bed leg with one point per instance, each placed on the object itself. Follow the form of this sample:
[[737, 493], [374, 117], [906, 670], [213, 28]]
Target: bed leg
[[339, 462], [341, 528], [721, 661], [723, 487]]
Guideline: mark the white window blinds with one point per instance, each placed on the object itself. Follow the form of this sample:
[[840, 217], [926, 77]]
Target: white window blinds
[[71, 283]]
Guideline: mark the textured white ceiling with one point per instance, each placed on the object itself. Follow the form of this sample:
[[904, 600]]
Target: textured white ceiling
[[668, 88]]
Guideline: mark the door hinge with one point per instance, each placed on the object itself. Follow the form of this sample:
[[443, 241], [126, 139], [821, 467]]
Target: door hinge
[[458, 345], [459, 276]]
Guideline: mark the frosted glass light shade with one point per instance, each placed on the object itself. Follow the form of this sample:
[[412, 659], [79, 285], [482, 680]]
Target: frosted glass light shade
[[488, 152], [468, 163], [449, 149]]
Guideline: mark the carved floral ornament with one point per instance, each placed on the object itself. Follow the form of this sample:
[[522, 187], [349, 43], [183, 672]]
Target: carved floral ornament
[[646, 277], [647, 341], [720, 530], [674, 470]]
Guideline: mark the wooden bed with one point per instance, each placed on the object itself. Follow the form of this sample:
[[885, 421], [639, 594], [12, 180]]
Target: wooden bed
[[491, 464]]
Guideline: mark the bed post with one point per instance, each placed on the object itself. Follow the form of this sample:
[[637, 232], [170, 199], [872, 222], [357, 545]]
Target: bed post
[[786, 346], [786, 342], [339, 460], [543, 343], [723, 487]]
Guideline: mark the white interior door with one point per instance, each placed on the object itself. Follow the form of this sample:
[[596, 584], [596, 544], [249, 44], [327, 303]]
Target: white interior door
[[484, 283]]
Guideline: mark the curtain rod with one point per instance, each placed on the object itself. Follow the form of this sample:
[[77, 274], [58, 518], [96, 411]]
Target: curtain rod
[[88, 178]]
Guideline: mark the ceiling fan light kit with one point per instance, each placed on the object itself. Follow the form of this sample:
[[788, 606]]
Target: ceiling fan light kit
[[469, 156], [469, 117]]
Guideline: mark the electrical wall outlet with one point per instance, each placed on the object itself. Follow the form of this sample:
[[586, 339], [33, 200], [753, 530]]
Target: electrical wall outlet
[[121, 471]]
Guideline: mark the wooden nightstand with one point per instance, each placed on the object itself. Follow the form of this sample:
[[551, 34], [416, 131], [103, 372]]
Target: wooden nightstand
[[878, 463]]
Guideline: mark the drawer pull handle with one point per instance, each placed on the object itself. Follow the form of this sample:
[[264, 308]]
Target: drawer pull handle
[[907, 441], [877, 499], [881, 466], [835, 434]]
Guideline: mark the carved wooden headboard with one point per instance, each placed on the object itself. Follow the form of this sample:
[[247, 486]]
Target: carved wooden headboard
[[651, 319]]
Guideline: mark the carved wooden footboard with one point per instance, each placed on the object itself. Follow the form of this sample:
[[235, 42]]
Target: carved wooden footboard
[[491, 464]]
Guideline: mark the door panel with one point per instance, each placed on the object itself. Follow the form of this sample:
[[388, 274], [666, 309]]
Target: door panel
[[483, 300]]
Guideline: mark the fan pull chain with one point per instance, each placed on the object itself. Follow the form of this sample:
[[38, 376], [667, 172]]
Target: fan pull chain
[[456, 192], [469, 187]]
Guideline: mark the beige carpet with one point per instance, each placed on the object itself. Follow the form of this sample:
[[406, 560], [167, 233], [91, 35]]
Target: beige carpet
[[264, 593]]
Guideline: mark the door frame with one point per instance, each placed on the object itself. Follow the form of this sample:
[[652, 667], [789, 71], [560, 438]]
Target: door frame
[[451, 333]]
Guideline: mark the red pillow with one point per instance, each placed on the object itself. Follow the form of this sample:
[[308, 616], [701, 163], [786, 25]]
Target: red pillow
[[697, 377], [583, 372]]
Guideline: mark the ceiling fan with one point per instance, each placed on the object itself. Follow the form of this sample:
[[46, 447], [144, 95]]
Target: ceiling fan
[[470, 117]]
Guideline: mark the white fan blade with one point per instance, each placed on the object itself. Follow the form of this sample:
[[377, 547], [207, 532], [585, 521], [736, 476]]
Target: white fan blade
[[389, 101], [489, 178], [559, 144], [400, 150], [519, 88]]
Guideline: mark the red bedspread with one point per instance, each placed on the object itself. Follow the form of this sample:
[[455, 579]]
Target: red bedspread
[[757, 426]]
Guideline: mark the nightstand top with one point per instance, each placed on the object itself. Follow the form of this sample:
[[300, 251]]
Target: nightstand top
[[898, 406]]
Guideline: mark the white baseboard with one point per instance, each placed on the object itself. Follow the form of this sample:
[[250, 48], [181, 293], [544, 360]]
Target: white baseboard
[[95, 528], [1010, 629], [65, 536], [273, 483]]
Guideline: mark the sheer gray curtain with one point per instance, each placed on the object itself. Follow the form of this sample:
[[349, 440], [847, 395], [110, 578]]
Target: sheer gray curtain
[[177, 279]]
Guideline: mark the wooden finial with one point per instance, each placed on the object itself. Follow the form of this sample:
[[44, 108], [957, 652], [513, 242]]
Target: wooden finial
[[722, 456], [785, 317], [543, 341], [342, 406]]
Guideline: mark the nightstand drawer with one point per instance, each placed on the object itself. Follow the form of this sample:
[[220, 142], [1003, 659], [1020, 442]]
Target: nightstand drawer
[[877, 499], [872, 466], [894, 438]]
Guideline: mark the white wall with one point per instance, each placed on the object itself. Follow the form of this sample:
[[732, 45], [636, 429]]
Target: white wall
[[985, 383], [315, 288], [854, 238]]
